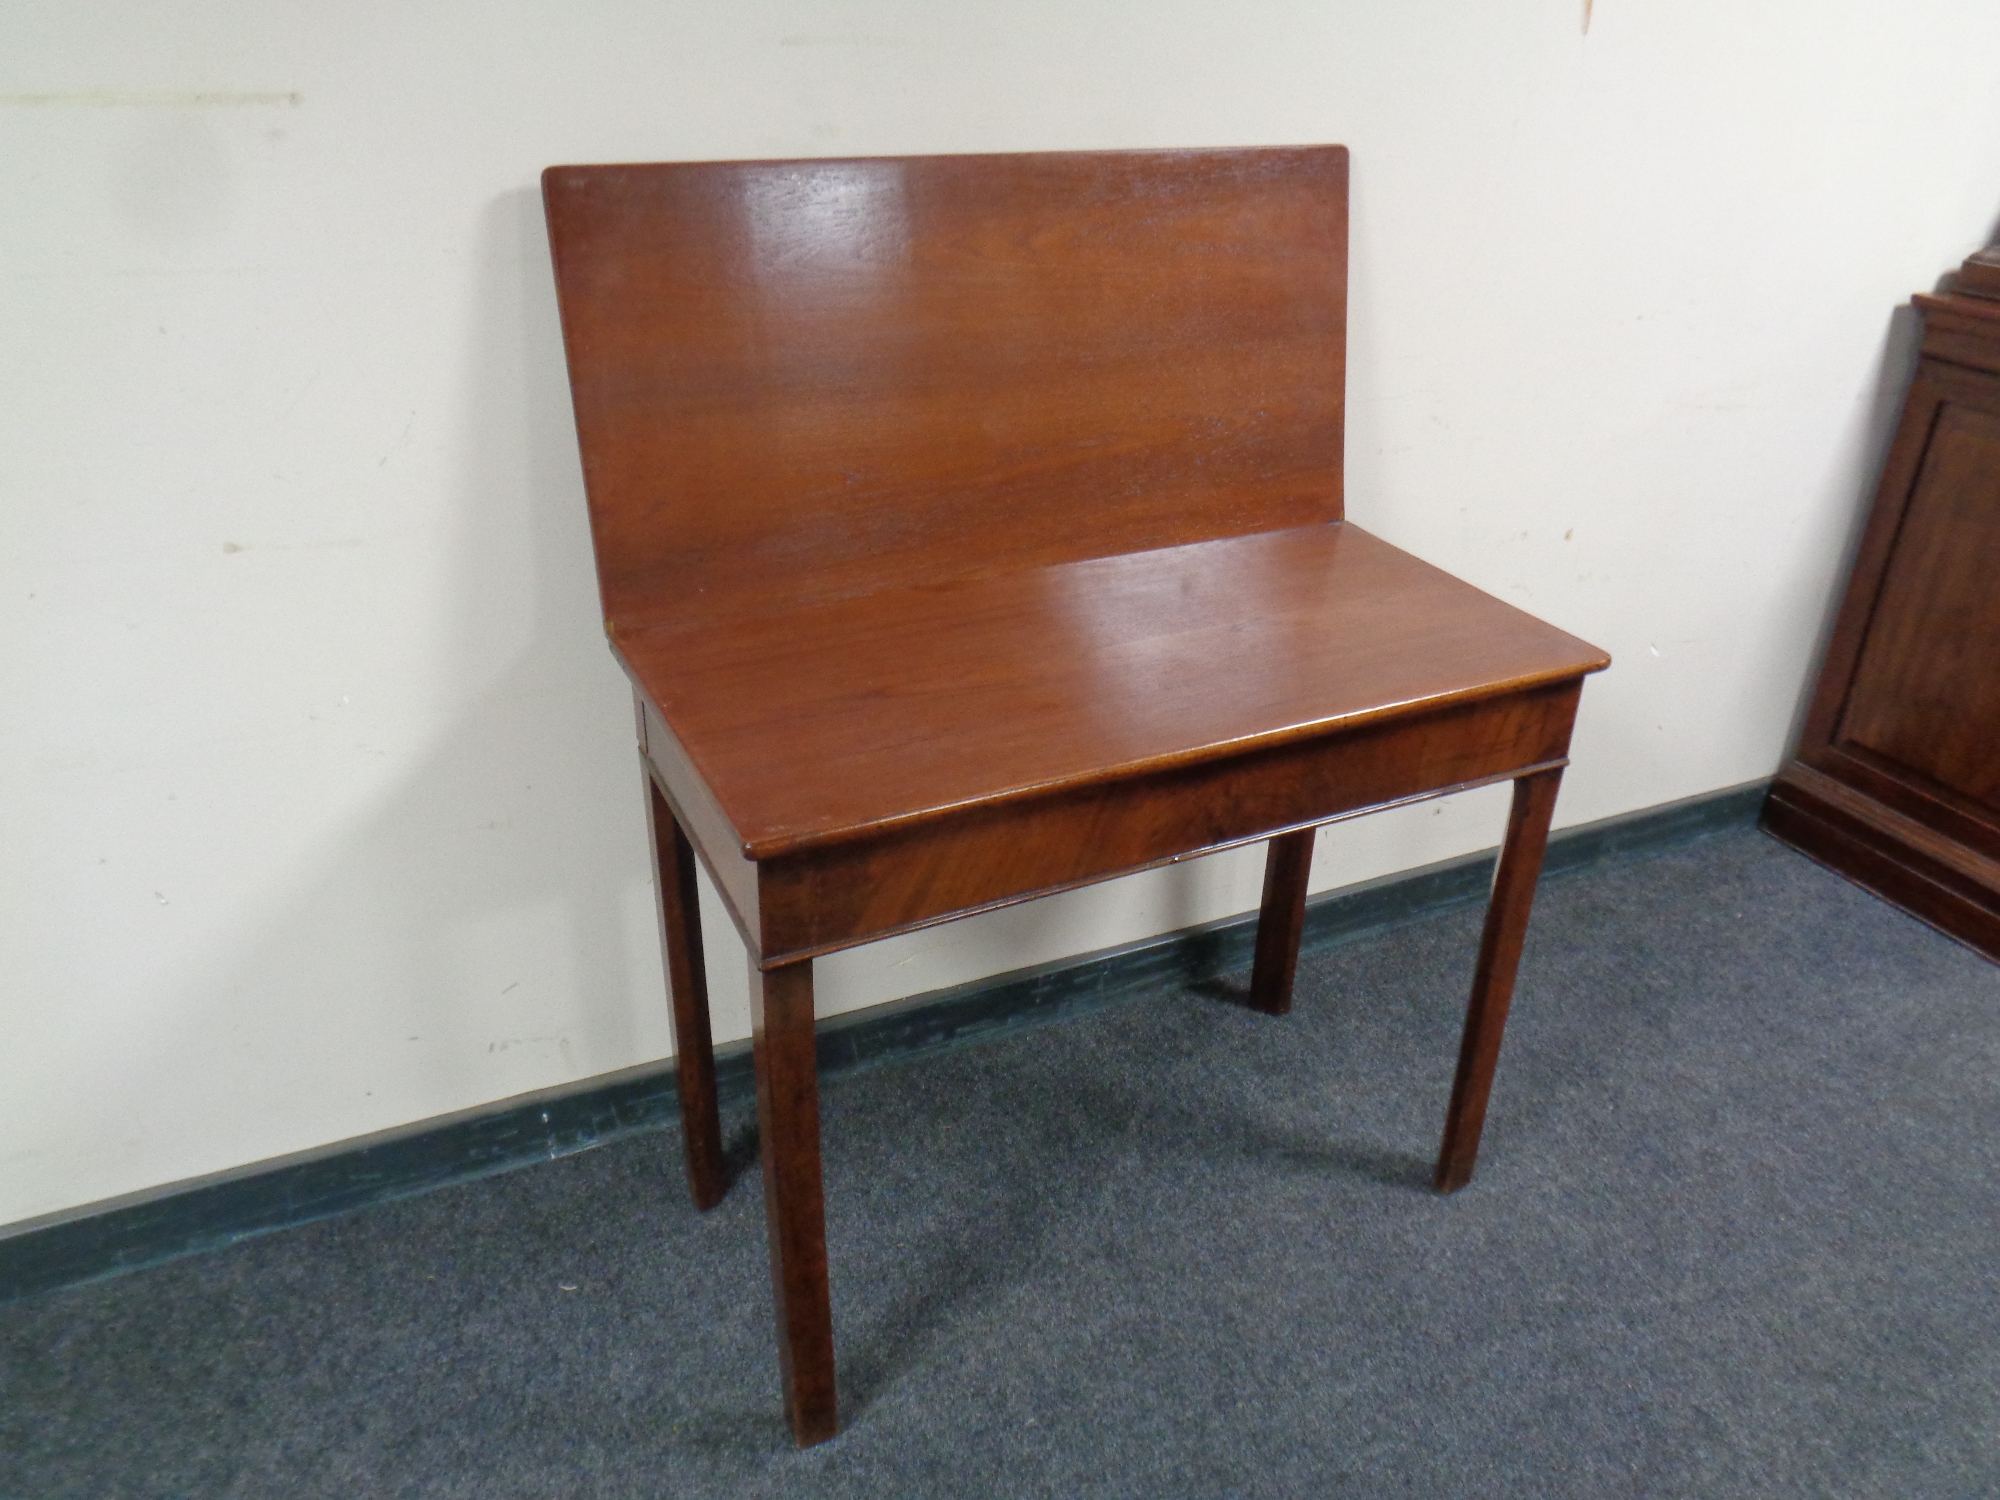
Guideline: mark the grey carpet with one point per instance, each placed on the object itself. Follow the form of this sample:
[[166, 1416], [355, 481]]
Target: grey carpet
[[1734, 1232]]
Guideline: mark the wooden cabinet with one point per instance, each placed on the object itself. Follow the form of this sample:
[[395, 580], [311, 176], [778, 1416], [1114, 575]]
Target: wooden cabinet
[[1896, 782]]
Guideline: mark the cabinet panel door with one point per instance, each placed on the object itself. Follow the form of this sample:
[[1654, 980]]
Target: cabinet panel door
[[1926, 692]]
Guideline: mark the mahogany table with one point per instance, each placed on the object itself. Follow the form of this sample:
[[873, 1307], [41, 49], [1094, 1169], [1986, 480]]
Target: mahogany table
[[971, 528]]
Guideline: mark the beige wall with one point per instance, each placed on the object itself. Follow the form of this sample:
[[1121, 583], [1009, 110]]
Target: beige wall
[[321, 814]]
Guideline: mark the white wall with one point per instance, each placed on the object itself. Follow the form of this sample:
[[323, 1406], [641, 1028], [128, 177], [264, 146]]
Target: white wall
[[321, 813]]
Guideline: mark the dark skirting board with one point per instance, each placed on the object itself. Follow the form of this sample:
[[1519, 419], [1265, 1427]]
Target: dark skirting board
[[209, 1213]]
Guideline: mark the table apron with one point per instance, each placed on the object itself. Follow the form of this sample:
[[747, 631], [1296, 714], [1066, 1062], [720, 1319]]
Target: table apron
[[840, 895]]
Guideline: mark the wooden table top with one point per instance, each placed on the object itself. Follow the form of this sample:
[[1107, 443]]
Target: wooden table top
[[833, 718]]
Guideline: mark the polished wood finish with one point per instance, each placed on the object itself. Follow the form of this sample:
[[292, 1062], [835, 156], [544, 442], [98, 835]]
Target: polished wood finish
[[781, 1028], [991, 723], [687, 988], [971, 528], [901, 370], [1896, 780], [1493, 979], [1903, 859], [818, 724], [1281, 918]]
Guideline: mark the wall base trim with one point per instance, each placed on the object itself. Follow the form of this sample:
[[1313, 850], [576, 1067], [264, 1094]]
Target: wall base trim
[[208, 1213]]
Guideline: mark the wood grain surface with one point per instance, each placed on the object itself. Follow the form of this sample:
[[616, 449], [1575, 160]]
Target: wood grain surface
[[781, 1018], [819, 722], [679, 907], [1281, 918], [1896, 781], [1926, 692], [1500, 943], [794, 379], [972, 859]]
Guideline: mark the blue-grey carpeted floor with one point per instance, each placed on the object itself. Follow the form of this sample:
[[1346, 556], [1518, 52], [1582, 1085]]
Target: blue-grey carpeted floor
[[1735, 1232]]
